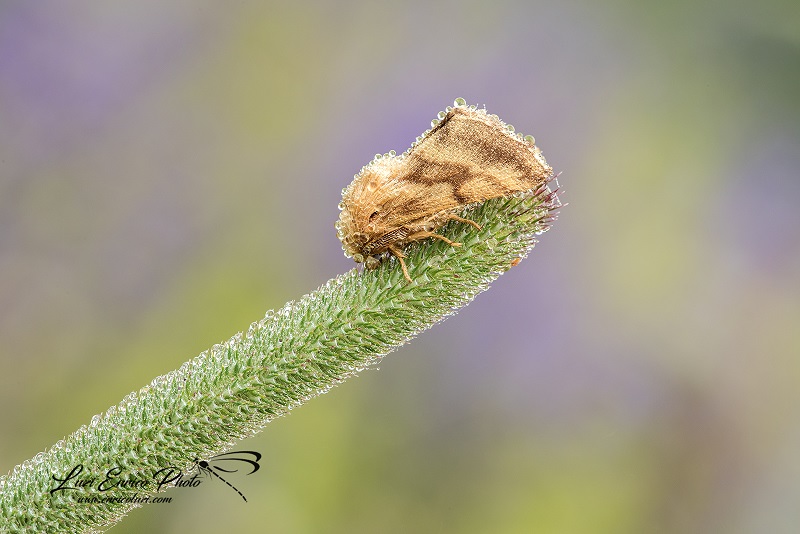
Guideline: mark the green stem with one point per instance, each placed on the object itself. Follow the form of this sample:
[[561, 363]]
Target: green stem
[[298, 352]]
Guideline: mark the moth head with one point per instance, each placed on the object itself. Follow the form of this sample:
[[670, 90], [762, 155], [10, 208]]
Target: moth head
[[370, 262], [353, 245], [361, 204], [350, 233]]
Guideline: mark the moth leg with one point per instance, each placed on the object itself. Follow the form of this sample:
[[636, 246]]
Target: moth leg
[[453, 217], [399, 255], [422, 234]]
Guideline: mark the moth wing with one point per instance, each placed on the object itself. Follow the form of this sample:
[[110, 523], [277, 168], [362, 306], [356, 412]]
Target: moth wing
[[468, 157]]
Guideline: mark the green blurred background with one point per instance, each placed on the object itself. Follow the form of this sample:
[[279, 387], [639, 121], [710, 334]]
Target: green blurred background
[[171, 171]]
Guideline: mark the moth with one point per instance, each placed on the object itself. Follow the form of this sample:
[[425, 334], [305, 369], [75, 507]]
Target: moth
[[467, 156]]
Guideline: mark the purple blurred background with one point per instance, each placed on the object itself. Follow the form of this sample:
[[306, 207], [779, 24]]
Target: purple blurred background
[[171, 172]]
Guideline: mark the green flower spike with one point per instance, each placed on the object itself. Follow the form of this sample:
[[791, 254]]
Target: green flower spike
[[302, 350]]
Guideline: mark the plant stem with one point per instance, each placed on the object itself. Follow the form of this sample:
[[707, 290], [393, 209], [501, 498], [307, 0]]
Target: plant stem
[[232, 390]]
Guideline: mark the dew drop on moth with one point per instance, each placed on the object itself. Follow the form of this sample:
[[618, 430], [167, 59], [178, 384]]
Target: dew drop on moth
[[468, 156]]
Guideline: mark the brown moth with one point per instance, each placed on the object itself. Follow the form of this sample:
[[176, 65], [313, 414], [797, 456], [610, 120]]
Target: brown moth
[[468, 156]]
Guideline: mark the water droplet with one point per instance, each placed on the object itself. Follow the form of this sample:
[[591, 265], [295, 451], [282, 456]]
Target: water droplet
[[530, 139], [459, 102], [434, 122], [341, 206], [442, 115], [510, 127], [377, 157], [392, 153]]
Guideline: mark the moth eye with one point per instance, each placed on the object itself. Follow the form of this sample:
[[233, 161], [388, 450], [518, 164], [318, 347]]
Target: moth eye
[[374, 214]]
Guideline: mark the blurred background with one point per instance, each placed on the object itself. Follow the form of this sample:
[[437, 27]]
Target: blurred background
[[170, 171]]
